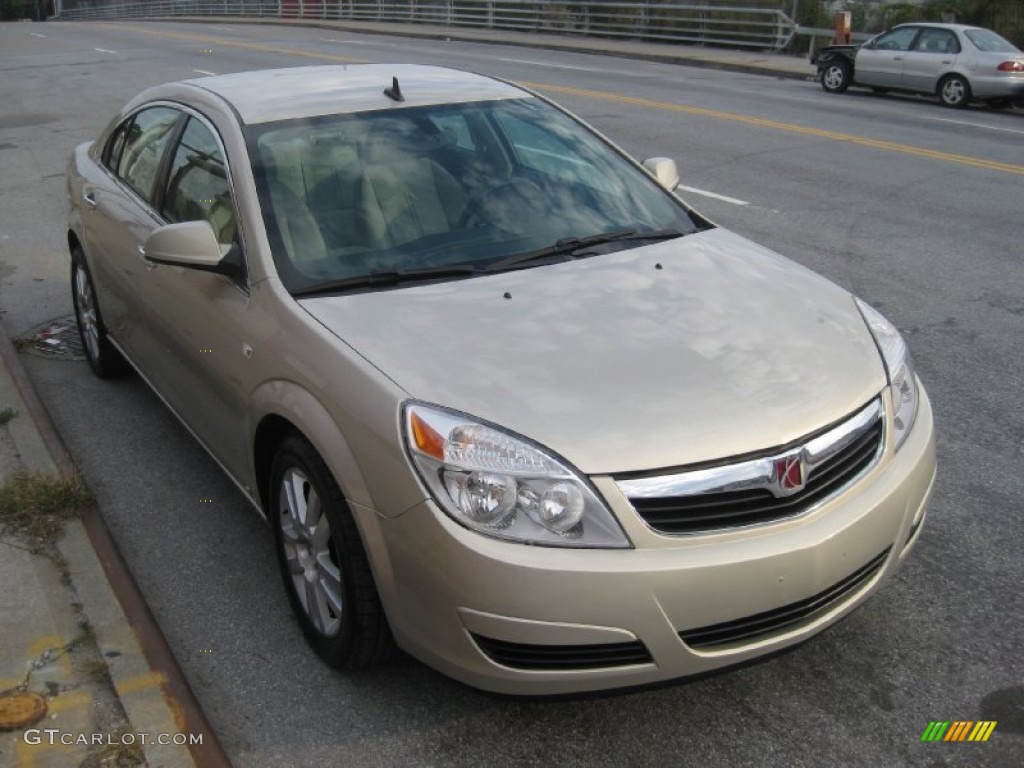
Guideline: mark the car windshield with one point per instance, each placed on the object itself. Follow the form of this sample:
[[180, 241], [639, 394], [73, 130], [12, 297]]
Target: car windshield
[[447, 191], [990, 42]]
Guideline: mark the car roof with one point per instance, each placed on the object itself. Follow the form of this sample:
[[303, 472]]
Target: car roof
[[279, 94], [939, 25]]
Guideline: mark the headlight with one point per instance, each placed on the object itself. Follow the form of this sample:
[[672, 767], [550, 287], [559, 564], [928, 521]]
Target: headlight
[[501, 485], [899, 367]]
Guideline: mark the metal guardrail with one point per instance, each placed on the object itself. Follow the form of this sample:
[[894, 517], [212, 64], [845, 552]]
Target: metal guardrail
[[736, 26]]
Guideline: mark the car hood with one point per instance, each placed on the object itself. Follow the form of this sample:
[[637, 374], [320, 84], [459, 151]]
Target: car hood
[[683, 351]]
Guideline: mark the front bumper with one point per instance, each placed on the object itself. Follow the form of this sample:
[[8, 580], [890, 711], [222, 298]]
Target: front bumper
[[462, 602]]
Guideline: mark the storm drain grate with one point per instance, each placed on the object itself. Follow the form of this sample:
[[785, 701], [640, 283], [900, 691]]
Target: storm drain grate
[[56, 339]]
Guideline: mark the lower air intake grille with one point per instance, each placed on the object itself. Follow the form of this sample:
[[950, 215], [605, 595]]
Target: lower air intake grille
[[784, 618], [557, 657]]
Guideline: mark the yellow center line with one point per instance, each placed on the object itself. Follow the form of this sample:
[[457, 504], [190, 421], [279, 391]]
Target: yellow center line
[[228, 43], [889, 146], [907, 149]]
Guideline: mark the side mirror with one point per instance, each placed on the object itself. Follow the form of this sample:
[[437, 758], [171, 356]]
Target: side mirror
[[191, 244], [664, 170]]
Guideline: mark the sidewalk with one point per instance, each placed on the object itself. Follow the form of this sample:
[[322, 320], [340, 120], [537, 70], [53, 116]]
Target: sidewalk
[[76, 688], [755, 62]]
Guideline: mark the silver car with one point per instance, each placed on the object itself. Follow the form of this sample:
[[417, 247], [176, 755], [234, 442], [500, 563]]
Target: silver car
[[955, 62], [503, 398]]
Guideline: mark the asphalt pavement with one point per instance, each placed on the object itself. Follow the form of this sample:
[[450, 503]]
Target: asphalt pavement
[[911, 206]]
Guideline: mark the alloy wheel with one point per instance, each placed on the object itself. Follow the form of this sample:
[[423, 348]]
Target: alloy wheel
[[85, 309], [310, 553], [954, 91], [834, 77]]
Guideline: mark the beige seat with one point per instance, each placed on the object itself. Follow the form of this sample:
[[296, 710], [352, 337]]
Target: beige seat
[[406, 199], [300, 233]]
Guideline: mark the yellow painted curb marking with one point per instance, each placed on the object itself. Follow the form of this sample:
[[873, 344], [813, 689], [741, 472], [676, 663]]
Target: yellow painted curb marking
[[140, 682]]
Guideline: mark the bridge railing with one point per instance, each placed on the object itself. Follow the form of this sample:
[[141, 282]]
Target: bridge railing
[[735, 25]]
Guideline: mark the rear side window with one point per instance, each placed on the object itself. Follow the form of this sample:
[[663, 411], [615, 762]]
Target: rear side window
[[144, 147], [197, 183], [937, 41]]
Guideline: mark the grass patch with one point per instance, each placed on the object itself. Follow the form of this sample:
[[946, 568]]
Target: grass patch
[[6, 414], [115, 755], [35, 506]]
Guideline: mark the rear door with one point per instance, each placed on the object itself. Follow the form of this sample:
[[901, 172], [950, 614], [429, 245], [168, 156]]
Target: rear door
[[935, 52], [118, 215], [880, 63]]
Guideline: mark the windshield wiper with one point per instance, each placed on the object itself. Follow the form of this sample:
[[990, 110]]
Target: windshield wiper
[[381, 278], [570, 246]]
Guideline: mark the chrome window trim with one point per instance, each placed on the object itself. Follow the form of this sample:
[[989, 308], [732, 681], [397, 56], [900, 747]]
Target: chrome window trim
[[760, 472]]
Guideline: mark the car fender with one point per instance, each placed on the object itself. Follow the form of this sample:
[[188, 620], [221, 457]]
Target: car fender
[[290, 401], [72, 195]]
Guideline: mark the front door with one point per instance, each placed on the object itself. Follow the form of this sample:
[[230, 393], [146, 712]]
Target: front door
[[118, 215], [880, 62], [198, 350]]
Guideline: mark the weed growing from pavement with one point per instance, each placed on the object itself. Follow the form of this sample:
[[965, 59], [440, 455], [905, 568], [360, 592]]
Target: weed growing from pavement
[[115, 755], [6, 414], [34, 506]]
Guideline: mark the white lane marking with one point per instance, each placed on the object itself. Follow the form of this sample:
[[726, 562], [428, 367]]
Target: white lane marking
[[976, 125], [222, 29], [204, 72], [714, 195], [36, 34], [558, 66], [104, 50], [357, 42]]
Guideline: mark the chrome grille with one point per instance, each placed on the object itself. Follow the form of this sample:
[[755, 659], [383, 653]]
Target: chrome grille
[[751, 492]]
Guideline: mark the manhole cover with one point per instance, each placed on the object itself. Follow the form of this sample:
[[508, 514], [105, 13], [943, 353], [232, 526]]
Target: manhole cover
[[21, 708], [56, 339]]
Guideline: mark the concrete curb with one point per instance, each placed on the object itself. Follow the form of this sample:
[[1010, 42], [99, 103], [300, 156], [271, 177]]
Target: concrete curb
[[149, 683]]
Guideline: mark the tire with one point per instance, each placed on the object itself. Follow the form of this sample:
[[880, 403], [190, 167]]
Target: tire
[[325, 569], [836, 76], [954, 92], [102, 356]]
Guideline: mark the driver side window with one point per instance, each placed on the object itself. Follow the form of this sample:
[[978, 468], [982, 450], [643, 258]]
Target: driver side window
[[197, 183]]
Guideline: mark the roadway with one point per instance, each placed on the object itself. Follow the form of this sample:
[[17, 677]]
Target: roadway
[[913, 207]]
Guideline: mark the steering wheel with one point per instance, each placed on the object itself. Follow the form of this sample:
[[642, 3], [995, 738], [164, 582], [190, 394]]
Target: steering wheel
[[482, 208]]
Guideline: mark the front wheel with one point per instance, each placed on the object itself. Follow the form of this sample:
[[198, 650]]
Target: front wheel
[[954, 91], [103, 357], [836, 76], [325, 568]]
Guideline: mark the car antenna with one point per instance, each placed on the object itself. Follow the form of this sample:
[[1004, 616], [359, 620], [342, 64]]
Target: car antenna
[[394, 92]]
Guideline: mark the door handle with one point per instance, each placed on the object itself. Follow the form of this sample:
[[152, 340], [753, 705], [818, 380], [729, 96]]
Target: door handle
[[947, 61], [897, 58], [89, 198]]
